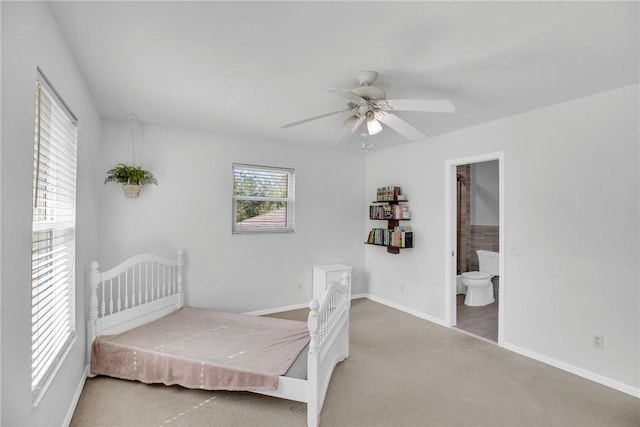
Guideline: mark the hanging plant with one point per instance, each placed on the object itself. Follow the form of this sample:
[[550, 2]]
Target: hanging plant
[[131, 178]]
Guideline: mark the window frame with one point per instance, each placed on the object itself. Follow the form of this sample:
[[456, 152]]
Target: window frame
[[53, 230], [289, 200]]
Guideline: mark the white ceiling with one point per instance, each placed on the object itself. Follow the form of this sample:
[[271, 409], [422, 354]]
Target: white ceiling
[[247, 68]]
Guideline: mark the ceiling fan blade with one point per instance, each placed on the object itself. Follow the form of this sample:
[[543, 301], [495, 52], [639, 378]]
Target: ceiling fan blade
[[351, 126], [348, 95], [426, 105], [405, 129], [344, 137], [288, 125]]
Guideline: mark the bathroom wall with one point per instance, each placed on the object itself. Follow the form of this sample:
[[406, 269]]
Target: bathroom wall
[[484, 230], [483, 237], [463, 173], [485, 193]]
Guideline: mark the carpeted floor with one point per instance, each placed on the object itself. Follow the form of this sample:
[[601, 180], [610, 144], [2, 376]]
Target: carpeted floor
[[403, 371]]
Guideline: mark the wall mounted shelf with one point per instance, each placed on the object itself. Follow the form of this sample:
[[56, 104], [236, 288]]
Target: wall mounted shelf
[[395, 236]]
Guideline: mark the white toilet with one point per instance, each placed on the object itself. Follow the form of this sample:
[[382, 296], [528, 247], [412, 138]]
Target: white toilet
[[478, 283]]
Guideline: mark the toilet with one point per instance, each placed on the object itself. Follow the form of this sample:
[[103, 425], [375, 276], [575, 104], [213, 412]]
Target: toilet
[[478, 283]]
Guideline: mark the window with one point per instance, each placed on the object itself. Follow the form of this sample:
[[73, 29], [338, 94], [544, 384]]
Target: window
[[53, 236], [263, 199]]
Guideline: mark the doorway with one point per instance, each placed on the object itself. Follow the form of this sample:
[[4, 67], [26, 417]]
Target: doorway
[[463, 237]]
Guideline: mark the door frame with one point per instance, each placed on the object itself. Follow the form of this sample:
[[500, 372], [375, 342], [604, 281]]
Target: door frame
[[450, 227]]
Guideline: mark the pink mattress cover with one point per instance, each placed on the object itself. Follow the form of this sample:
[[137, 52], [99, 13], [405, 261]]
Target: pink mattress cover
[[205, 349]]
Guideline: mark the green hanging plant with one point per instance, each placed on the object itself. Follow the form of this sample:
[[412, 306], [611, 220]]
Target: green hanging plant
[[132, 175], [131, 178]]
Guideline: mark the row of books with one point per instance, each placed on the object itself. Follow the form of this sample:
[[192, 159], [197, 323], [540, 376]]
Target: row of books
[[402, 239], [387, 193], [389, 212], [398, 237]]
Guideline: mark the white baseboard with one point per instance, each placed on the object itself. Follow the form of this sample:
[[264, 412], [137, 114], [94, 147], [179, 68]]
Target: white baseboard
[[76, 397], [407, 310], [616, 385], [291, 307], [278, 309]]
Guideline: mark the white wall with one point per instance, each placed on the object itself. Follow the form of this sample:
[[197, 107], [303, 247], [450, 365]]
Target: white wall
[[191, 209], [30, 38], [571, 213], [0, 241], [485, 193]]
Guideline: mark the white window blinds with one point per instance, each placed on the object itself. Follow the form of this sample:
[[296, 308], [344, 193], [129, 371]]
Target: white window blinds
[[263, 199], [53, 236]]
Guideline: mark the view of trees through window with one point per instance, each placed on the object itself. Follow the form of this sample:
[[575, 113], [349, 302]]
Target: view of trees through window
[[253, 208], [259, 192]]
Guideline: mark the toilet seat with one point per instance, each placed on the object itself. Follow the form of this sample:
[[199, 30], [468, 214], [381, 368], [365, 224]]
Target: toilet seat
[[476, 275]]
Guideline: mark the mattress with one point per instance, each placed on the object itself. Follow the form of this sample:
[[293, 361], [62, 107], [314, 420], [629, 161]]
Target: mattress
[[298, 368], [205, 349]]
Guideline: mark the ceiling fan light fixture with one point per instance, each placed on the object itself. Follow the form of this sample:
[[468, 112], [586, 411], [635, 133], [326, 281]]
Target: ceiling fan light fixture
[[373, 126]]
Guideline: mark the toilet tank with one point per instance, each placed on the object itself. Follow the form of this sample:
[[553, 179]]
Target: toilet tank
[[489, 262]]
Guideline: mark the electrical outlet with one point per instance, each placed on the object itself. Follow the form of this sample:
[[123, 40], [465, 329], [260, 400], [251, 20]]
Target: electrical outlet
[[597, 341], [300, 286], [401, 287]]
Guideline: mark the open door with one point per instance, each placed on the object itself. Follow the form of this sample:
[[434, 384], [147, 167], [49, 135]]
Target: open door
[[452, 183]]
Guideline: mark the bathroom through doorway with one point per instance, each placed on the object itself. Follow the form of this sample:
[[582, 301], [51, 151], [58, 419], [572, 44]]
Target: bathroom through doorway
[[474, 266]]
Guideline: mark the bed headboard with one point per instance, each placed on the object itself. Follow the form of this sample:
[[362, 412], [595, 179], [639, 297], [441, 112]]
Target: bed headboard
[[138, 290]]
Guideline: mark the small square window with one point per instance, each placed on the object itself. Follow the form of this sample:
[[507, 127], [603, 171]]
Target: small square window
[[263, 199]]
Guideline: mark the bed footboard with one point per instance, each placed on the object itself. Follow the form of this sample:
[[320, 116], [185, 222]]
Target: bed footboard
[[139, 290], [329, 345]]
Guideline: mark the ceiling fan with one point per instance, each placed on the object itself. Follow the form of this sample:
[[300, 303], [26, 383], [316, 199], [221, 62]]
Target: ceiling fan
[[369, 104]]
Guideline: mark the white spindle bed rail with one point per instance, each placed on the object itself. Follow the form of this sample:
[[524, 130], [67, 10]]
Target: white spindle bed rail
[[147, 287]]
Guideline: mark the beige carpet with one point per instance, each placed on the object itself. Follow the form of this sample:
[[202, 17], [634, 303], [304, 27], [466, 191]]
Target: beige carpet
[[403, 371]]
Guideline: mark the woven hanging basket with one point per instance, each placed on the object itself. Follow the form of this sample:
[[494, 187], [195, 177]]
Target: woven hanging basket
[[131, 191]]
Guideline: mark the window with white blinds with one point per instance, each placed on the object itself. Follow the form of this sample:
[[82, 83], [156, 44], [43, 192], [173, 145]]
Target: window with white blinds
[[53, 236], [263, 199]]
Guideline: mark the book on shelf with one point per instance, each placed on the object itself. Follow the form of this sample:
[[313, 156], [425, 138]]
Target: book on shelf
[[401, 212], [389, 212], [401, 237], [408, 241], [387, 193], [380, 236]]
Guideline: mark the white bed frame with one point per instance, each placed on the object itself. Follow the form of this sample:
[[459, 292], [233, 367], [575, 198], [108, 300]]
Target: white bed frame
[[147, 287]]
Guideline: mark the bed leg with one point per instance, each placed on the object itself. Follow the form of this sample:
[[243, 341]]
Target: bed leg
[[312, 415], [346, 344], [345, 280]]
